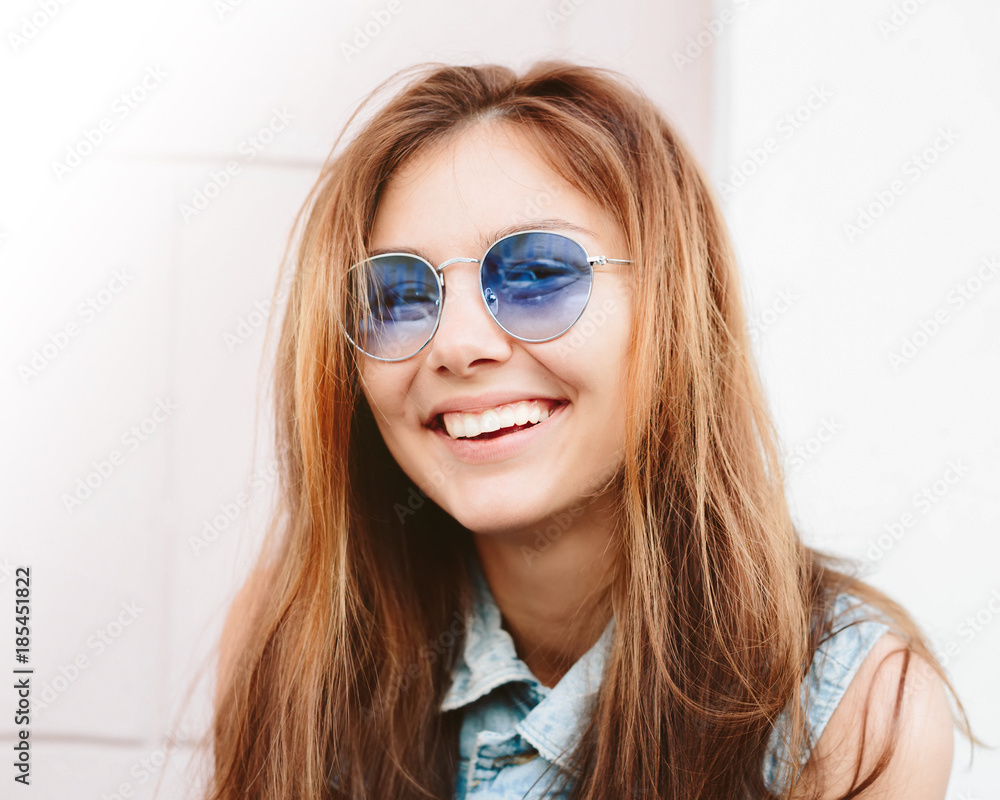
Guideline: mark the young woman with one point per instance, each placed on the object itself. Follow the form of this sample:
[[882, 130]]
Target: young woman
[[534, 539]]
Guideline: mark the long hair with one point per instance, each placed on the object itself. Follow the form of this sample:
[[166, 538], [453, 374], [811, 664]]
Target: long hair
[[719, 606]]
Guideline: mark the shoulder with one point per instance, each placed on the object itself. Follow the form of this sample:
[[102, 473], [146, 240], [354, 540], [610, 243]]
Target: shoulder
[[237, 626], [895, 698]]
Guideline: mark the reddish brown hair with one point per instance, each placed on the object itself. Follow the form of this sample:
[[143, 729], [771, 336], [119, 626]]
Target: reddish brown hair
[[719, 605]]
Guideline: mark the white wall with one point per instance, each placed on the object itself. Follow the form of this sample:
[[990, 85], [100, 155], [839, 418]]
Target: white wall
[[893, 451], [167, 288], [214, 78]]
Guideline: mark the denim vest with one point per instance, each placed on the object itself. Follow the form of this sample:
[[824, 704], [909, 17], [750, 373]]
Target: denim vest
[[515, 729]]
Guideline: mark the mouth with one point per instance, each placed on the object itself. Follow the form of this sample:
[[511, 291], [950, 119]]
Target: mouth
[[496, 422]]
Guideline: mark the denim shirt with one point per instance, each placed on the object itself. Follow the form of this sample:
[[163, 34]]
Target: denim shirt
[[514, 729]]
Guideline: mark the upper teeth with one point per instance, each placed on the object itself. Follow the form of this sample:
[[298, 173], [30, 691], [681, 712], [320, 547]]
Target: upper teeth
[[466, 424]]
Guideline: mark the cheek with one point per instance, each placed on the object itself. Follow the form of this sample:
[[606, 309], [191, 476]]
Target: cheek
[[594, 352], [384, 389], [600, 363]]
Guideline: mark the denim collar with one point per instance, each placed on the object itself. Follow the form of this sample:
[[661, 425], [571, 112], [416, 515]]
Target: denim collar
[[489, 660]]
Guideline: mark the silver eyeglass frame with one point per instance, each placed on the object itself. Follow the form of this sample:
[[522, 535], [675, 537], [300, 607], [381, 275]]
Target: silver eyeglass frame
[[438, 273]]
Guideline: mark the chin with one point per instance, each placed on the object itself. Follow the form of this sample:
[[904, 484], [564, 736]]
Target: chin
[[491, 521]]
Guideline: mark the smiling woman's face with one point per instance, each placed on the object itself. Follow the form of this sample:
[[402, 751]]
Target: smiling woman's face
[[448, 202]]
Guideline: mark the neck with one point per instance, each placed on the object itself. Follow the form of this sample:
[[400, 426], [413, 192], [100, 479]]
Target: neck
[[541, 583]]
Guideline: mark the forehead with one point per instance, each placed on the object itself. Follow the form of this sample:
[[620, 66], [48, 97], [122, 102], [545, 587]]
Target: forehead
[[484, 179]]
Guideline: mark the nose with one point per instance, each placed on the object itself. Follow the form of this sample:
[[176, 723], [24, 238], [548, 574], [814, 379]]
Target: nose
[[467, 335]]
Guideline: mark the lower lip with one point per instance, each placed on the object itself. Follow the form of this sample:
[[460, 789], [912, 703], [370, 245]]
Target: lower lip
[[486, 451]]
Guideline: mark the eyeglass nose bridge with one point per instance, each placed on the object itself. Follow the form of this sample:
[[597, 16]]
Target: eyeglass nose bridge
[[451, 261], [488, 296]]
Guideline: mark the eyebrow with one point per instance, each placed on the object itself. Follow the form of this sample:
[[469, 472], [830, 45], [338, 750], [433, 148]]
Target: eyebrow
[[549, 224]]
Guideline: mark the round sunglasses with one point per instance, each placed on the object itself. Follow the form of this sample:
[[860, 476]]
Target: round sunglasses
[[535, 284]]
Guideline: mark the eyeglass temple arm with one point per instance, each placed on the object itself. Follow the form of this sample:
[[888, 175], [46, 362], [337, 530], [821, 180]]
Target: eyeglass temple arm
[[599, 260], [602, 260]]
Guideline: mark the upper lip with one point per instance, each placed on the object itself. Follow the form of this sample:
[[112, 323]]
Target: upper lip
[[481, 402]]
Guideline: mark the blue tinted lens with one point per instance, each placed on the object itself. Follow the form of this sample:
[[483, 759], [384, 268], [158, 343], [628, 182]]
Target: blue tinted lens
[[393, 305], [536, 284]]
